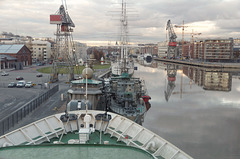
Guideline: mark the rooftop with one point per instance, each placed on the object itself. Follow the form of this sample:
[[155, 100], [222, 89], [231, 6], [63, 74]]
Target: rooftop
[[10, 49]]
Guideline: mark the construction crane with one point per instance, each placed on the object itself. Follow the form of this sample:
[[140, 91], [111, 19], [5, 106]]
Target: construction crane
[[185, 26], [194, 34], [172, 44], [64, 52], [182, 26]]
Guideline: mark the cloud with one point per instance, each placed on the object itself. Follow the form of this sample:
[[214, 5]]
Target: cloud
[[93, 18]]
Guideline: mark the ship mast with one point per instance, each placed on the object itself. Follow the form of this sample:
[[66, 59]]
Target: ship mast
[[124, 36]]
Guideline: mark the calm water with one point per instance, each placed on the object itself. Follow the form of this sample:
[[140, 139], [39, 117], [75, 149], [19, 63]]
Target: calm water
[[202, 114]]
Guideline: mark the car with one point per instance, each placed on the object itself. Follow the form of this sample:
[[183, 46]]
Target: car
[[4, 74], [19, 78], [39, 75], [21, 84], [29, 84], [12, 84]]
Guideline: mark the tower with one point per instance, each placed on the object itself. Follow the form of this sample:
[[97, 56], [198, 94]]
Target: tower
[[64, 52]]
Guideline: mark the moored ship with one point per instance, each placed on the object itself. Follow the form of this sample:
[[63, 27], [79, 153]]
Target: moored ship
[[86, 134]]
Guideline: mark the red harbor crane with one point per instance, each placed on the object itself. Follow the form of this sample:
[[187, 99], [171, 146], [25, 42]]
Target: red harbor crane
[[64, 52]]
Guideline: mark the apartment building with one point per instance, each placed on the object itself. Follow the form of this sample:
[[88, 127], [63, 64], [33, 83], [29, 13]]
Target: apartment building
[[148, 48], [214, 50], [41, 50], [218, 49], [162, 49]]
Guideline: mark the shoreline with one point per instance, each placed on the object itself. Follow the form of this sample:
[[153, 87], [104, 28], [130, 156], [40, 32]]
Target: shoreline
[[201, 64]]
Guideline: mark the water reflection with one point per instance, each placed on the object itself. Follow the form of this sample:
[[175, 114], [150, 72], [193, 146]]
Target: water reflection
[[206, 78], [202, 114], [171, 78], [210, 79]]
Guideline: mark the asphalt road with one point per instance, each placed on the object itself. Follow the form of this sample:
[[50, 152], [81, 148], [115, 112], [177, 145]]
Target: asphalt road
[[13, 98]]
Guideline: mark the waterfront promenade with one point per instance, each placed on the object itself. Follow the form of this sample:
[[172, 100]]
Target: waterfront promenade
[[201, 63]]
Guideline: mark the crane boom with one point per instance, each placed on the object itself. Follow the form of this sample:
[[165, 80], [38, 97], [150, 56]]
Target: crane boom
[[171, 33]]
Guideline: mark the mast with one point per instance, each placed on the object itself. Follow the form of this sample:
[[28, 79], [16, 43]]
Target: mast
[[124, 36]]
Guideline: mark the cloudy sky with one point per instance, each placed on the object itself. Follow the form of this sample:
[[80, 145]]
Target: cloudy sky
[[96, 20]]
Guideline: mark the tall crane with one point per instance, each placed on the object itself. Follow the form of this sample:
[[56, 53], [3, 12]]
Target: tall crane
[[182, 26], [64, 52], [172, 44], [185, 26]]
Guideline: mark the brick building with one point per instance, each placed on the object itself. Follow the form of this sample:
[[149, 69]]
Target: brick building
[[18, 51]]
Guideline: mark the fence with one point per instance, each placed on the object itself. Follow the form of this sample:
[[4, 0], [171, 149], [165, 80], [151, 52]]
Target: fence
[[16, 116]]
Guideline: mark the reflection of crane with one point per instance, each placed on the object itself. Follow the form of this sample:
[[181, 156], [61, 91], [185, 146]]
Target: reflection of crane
[[184, 92], [172, 44], [64, 51], [171, 73]]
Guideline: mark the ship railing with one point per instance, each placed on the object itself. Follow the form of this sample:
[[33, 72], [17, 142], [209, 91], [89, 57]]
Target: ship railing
[[135, 135]]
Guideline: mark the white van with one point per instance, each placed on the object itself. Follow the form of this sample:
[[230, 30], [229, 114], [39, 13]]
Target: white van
[[21, 83]]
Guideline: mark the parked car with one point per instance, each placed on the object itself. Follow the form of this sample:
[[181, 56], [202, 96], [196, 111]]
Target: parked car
[[29, 84], [39, 75], [21, 84], [5, 74], [19, 78], [12, 84]]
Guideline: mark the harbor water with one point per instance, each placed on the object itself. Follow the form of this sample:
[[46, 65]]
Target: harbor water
[[196, 109]]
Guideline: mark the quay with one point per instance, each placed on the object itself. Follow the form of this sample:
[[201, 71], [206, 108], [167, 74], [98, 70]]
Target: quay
[[201, 63]]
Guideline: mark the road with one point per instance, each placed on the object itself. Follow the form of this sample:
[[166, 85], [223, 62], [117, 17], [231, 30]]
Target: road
[[13, 98]]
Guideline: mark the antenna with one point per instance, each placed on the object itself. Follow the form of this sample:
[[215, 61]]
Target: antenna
[[86, 90]]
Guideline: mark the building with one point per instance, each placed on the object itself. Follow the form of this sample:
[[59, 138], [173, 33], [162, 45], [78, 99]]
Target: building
[[218, 50], [41, 50], [162, 49], [148, 48], [198, 50], [80, 50], [18, 52], [7, 61]]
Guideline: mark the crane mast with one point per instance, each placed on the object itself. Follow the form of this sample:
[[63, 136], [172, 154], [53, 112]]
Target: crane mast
[[172, 44], [64, 52]]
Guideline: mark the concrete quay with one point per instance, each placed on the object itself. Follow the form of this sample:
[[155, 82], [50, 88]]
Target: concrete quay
[[201, 64]]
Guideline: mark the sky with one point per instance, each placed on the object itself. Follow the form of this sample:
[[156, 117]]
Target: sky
[[98, 20]]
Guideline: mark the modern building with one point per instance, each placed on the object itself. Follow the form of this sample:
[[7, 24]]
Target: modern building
[[162, 49], [41, 50], [214, 50], [19, 53], [218, 50]]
